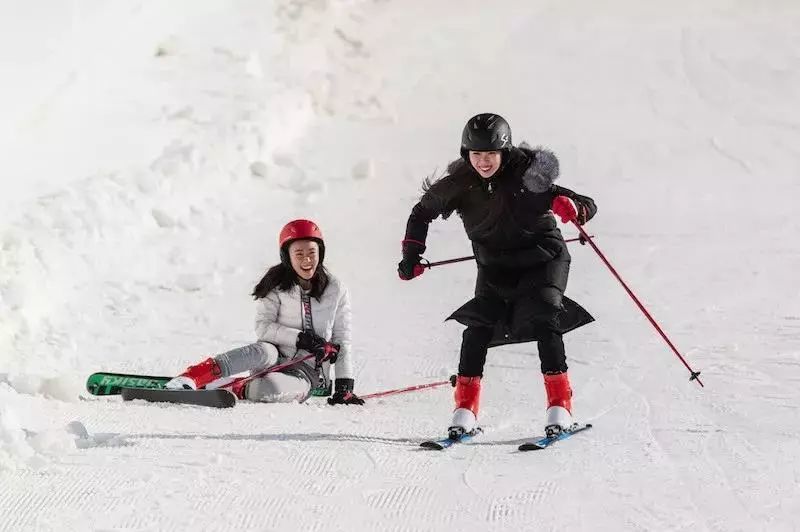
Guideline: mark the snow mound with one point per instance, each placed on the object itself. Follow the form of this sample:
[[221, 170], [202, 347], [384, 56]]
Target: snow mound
[[67, 387], [24, 448]]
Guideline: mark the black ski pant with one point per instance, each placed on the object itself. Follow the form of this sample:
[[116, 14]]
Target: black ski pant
[[476, 340]]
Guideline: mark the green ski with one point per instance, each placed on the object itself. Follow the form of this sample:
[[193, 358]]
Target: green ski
[[112, 383]]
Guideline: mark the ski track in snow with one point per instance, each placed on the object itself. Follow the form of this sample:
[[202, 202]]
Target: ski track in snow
[[144, 182]]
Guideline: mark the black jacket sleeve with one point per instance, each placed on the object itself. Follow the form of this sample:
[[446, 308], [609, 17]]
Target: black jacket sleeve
[[556, 190], [439, 200], [417, 226]]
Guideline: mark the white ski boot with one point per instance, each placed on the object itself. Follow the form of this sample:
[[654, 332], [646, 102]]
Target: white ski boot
[[181, 382], [464, 422], [559, 419]]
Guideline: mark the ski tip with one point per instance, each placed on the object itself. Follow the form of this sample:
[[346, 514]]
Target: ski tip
[[431, 445]]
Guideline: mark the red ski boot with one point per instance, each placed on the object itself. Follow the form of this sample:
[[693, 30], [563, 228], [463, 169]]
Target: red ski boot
[[468, 396], [559, 403], [197, 376], [239, 389]]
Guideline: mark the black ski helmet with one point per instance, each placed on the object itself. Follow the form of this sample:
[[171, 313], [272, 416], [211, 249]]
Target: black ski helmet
[[485, 132]]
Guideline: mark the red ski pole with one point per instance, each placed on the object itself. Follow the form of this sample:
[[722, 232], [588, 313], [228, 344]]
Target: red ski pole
[[694, 375], [472, 257], [451, 381]]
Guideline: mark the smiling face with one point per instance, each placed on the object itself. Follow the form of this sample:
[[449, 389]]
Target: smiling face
[[304, 255], [486, 163]]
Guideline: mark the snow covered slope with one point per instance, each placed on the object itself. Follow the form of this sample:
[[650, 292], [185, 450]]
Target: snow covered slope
[[150, 152]]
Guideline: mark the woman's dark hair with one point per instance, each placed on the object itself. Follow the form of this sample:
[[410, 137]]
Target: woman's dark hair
[[283, 277]]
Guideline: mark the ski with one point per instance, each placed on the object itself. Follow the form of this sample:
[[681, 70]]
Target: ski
[[212, 398], [112, 383], [545, 442], [444, 443]]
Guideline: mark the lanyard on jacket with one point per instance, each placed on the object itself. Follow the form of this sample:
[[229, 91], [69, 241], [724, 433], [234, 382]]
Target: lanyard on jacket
[[308, 321], [308, 326]]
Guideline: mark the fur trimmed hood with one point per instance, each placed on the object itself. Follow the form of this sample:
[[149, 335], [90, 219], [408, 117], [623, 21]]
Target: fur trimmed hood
[[543, 170], [536, 167]]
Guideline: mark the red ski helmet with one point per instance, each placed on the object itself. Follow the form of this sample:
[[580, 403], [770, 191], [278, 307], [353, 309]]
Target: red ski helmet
[[300, 230]]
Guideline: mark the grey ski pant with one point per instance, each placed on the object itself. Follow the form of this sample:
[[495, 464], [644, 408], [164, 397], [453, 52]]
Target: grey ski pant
[[286, 386]]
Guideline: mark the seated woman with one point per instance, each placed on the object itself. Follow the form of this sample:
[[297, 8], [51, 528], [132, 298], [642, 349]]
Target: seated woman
[[302, 310]]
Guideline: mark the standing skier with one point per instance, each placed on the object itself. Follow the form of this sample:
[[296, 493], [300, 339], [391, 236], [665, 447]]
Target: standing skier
[[301, 309], [504, 196]]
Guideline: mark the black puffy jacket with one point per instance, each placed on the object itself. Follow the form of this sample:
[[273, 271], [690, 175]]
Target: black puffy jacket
[[519, 249], [507, 217]]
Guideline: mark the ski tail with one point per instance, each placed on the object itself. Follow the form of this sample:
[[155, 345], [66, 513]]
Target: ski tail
[[547, 441], [211, 398], [444, 443], [103, 383]]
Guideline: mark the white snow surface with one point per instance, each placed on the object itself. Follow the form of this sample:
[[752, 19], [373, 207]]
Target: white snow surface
[[150, 152]]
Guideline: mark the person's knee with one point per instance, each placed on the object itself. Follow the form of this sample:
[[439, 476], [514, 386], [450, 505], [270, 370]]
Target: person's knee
[[270, 353], [551, 298], [278, 388], [535, 315]]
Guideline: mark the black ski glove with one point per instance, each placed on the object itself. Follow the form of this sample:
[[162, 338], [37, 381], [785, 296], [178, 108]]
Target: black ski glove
[[344, 393], [323, 351], [411, 265], [586, 208]]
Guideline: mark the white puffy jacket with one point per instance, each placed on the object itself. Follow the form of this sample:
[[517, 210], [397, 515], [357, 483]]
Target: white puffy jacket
[[279, 319]]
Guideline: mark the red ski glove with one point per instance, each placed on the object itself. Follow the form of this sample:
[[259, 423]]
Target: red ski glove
[[564, 209], [575, 208], [411, 265]]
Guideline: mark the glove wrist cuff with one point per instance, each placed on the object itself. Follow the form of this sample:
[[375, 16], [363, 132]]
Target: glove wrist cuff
[[344, 385], [413, 247], [561, 191]]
